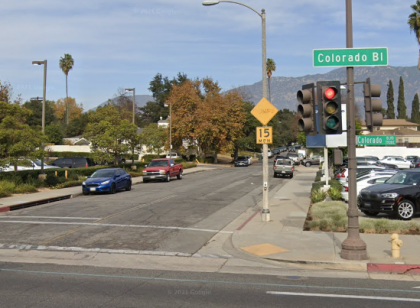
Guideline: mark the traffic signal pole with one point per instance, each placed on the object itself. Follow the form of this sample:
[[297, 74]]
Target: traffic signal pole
[[353, 247]]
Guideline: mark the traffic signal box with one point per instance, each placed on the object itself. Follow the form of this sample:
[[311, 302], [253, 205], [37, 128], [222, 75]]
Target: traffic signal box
[[373, 106], [306, 110], [329, 107]]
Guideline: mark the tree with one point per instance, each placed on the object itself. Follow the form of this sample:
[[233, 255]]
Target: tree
[[53, 134], [67, 110], [17, 139], [414, 24], [35, 119], [271, 67], [154, 137], [108, 133], [66, 64], [390, 112], [402, 108], [76, 126], [415, 110]]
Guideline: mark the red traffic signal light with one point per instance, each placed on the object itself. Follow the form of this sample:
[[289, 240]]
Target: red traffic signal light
[[329, 107], [330, 93]]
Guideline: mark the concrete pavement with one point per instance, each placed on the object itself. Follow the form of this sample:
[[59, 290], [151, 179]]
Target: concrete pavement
[[282, 240]]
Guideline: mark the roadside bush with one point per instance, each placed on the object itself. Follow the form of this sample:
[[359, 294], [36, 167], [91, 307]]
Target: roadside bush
[[25, 188], [70, 184], [335, 193], [6, 188], [318, 195], [51, 181], [73, 177]]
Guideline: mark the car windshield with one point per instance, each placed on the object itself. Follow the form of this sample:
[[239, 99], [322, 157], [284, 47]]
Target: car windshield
[[37, 162], [242, 158], [158, 163], [404, 178], [104, 173]]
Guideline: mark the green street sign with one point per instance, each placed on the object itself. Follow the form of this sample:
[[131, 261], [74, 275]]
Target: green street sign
[[376, 140], [376, 56]]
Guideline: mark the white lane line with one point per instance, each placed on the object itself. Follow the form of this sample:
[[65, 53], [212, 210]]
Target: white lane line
[[346, 296], [111, 225], [112, 251], [51, 217]]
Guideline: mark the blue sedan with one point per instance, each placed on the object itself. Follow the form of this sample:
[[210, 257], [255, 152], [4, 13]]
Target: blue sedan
[[107, 180]]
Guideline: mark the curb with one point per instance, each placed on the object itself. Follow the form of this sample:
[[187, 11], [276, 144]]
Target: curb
[[393, 268]]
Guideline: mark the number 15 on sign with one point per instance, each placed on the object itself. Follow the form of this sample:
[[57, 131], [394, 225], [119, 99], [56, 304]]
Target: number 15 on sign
[[265, 135]]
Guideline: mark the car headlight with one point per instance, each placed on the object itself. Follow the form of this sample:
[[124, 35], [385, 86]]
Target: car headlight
[[106, 182], [144, 172], [84, 183], [162, 172], [389, 195]]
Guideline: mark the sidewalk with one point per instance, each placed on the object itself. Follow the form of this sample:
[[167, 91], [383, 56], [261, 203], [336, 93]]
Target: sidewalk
[[283, 239]]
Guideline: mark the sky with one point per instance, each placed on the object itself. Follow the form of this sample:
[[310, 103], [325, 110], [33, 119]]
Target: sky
[[125, 43]]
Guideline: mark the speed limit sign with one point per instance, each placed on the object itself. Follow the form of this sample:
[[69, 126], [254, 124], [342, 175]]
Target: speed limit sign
[[265, 135]]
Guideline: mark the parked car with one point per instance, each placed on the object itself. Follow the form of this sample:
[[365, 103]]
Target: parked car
[[416, 163], [281, 156], [162, 169], [342, 176], [241, 161], [107, 180], [398, 196], [314, 160], [270, 153], [283, 167], [365, 181], [27, 164], [173, 155], [367, 159], [249, 159], [411, 158], [294, 157], [399, 162], [73, 162]]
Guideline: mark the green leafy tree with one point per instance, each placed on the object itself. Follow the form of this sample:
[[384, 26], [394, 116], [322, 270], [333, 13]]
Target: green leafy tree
[[402, 108], [415, 110], [154, 137], [53, 134], [76, 126], [108, 133], [35, 118], [414, 24], [17, 139], [66, 64], [270, 67], [390, 112], [248, 140]]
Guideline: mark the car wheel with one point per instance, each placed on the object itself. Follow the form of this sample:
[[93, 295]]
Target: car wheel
[[167, 178], [405, 210], [85, 193], [291, 176], [145, 181], [369, 213], [113, 189], [308, 164], [179, 176], [128, 187], [275, 175]]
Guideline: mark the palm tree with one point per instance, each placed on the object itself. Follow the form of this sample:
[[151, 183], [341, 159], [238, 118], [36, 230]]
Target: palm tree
[[414, 23], [66, 64], [271, 67]]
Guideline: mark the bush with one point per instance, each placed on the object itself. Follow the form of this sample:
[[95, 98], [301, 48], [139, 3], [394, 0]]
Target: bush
[[73, 177], [51, 181], [25, 188], [318, 195], [335, 193], [6, 188]]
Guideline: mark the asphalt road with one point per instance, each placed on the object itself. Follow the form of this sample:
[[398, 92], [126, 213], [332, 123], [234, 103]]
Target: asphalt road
[[26, 285], [178, 216]]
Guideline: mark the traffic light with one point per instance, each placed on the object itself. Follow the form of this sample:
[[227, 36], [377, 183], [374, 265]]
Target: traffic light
[[329, 107], [373, 106], [306, 109]]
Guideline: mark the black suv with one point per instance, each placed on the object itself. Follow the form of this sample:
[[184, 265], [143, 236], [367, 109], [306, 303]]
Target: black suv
[[398, 196], [73, 162]]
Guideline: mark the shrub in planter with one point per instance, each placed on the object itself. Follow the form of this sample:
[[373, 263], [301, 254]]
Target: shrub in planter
[[318, 195], [335, 193], [51, 180]]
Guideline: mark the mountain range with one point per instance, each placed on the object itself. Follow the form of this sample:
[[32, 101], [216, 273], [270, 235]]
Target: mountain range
[[283, 89]]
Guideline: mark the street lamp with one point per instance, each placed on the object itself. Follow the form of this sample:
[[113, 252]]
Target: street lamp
[[134, 99], [43, 106], [265, 212], [170, 125]]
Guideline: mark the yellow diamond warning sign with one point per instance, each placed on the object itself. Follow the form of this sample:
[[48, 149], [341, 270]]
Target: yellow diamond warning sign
[[264, 111]]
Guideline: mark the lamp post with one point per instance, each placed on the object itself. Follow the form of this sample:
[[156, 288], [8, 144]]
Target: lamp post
[[134, 99], [43, 106], [170, 125], [265, 212]]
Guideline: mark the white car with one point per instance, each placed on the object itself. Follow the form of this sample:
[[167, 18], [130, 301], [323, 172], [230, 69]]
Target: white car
[[342, 176], [172, 155], [365, 181], [33, 165], [399, 162], [249, 159]]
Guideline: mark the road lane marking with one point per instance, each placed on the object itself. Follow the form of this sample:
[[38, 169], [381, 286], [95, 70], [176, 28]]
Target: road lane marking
[[346, 296], [51, 217], [112, 251], [110, 225]]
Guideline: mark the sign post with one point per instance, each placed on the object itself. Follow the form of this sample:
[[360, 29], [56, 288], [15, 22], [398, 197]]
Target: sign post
[[264, 111]]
